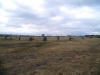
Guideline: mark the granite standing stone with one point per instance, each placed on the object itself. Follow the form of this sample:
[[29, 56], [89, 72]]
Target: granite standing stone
[[19, 37], [70, 38], [45, 38], [58, 38], [5, 36], [30, 38], [82, 37], [10, 37]]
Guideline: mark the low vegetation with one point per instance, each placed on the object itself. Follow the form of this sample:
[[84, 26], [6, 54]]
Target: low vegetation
[[51, 57]]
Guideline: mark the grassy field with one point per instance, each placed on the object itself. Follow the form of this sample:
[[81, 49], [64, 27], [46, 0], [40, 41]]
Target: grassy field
[[64, 57]]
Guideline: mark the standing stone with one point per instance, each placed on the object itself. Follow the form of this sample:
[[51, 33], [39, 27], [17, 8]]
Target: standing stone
[[5, 36], [30, 38], [43, 35], [45, 38], [10, 37], [58, 38], [82, 37], [70, 38], [33, 37], [19, 37], [90, 36]]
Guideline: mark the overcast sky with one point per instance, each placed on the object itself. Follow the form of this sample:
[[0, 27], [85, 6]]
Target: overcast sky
[[50, 17]]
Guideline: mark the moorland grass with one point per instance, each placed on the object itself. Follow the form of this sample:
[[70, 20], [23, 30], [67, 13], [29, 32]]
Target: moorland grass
[[76, 57]]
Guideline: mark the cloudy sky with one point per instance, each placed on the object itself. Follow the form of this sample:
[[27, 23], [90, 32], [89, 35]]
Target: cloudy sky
[[50, 17]]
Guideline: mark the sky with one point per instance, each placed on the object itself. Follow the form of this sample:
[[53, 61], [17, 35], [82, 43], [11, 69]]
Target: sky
[[50, 17]]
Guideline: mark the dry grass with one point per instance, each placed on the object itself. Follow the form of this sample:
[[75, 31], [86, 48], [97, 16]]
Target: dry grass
[[76, 57]]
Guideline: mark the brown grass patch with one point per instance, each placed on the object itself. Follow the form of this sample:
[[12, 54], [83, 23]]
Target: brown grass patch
[[76, 57]]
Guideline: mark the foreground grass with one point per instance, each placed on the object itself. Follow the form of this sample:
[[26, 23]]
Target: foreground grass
[[76, 57], [2, 69]]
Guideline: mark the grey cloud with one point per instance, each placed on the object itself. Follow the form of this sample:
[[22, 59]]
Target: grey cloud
[[84, 2], [28, 16], [14, 24], [90, 22], [24, 15], [73, 3]]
